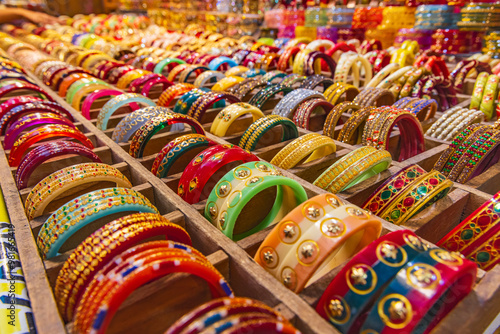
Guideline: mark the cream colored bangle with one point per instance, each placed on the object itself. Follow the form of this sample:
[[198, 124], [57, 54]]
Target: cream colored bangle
[[448, 113], [229, 114], [320, 43], [202, 79], [394, 76], [472, 118], [384, 73], [348, 62], [453, 120]]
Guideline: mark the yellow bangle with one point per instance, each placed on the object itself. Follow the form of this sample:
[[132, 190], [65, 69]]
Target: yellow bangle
[[353, 168], [81, 55], [299, 61], [314, 145], [237, 70], [335, 92], [126, 79], [226, 83], [94, 59], [82, 93], [229, 114]]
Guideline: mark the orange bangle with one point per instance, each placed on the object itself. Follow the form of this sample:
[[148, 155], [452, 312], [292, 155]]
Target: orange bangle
[[69, 80], [172, 92]]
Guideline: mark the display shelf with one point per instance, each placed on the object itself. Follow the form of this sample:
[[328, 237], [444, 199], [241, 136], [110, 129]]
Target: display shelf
[[232, 259]]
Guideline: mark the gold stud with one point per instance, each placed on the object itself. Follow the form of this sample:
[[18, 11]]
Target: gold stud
[[359, 276], [307, 251], [242, 173], [424, 275], [268, 257], [213, 212], [313, 212], [389, 251], [223, 190], [289, 231], [336, 308], [254, 180], [397, 310]]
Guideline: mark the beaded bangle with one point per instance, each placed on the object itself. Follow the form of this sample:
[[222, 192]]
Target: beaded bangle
[[334, 116], [244, 88], [301, 118], [154, 125], [258, 128], [246, 181], [292, 79], [315, 80], [116, 103], [422, 108], [287, 106], [131, 123]]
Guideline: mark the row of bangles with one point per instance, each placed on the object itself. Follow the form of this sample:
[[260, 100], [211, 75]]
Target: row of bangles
[[310, 236]]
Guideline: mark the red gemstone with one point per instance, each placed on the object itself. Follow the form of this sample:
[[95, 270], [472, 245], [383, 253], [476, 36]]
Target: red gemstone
[[451, 246], [399, 183], [409, 201], [433, 181], [373, 207], [496, 244], [484, 220]]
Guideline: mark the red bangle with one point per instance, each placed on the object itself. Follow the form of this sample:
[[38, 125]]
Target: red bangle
[[105, 71], [26, 141], [90, 99], [200, 170], [136, 85], [382, 60], [370, 45], [116, 73], [23, 86], [165, 83], [302, 116], [286, 58], [315, 55], [48, 151], [437, 66], [13, 102]]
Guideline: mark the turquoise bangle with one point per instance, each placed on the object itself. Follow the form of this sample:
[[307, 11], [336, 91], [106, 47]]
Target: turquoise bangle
[[217, 62], [85, 209], [161, 65], [75, 87], [186, 101], [240, 185], [257, 129], [134, 121], [116, 103]]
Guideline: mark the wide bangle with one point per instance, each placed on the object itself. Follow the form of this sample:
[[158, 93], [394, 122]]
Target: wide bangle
[[66, 179], [242, 184], [208, 76], [433, 280], [225, 83], [348, 63], [154, 125], [423, 192], [258, 128], [305, 243], [335, 92], [23, 86], [203, 103], [236, 70], [66, 221], [488, 99], [45, 152], [168, 96], [353, 168], [287, 106], [92, 97], [263, 95], [29, 121], [216, 63], [391, 188], [116, 103], [299, 63], [128, 231], [228, 115], [199, 171], [23, 143], [171, 152], [302, 116], [355, 288], [477, 93], [311, 146]]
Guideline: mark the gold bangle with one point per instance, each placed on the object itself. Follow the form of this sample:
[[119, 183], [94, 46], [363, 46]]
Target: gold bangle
[[334, 115], [313, 145], [355, 122], [229, 114], [226, 83], [236, 71], [335, 91]]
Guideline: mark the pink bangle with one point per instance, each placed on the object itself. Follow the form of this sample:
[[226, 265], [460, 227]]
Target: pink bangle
[[90, 99], [136, 85], [23, 86], [13, 102], [29, 121], [45, 152], [165, 83]]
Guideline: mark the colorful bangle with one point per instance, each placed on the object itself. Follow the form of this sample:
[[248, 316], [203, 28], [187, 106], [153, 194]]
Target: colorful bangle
[[388, 191], [479, 86], [17, 101], [292, 79], [228, 115], [23, 86], [269, 77], [355, 288], [116, 103], [166, 62], [23, 143], [354, 124], [172, 75], [383, 74], [258, 128], [196, 69], [208, 76], [154, 125], [219, 61], [68, 81], [313, 63], [305, 243], [129, 231], [203, 103], [353, 168], [424, 109], [236, 70], [131, 123], [287, 58], [244, 88], [489, 96], [374, 97], [185, 102], [391, 79], [168, 96], [239, 186], [433, 280], [348, 64], [29, 121], [81, 85], [424, 191], [315, 80], [66, 221], [302, 116], [226, 83], [66, 179], [287, 106], [312, 146], [92, 97], [199, 171]]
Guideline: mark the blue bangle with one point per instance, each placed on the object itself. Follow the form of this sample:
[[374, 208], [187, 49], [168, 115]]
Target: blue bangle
[[217, 62], [134, 121], [116, 103], [252, 73], [161, 65], [85, 209], [401, 103], [186, 101]]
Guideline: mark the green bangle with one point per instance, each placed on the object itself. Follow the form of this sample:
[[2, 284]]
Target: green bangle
[[258, 128], [263, 95], [489, 96], [161, 65], [239, 186], [477, 93], [78, 85]]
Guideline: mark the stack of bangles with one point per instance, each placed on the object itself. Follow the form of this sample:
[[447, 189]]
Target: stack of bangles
[[348, 64], [376, 97], [476, 237], [260, 127], [485, 95], [407, 193], [470, 153], [335, 93], [454, 121], [424, 109]]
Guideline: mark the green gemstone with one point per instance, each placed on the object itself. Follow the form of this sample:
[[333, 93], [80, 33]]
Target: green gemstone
[[395, 214], [385, 194], [467, 234], [422, 190], [497, 207], [483, 257], [410, 175]]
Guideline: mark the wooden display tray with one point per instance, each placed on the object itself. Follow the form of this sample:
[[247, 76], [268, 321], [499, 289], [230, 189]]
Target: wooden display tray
[[157, 305]]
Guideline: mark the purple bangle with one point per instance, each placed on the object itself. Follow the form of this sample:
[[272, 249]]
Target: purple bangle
[[458, 75], [90, 99], [165, 83], [29, 121], [45, 152], [315, 55], [15, 102]]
